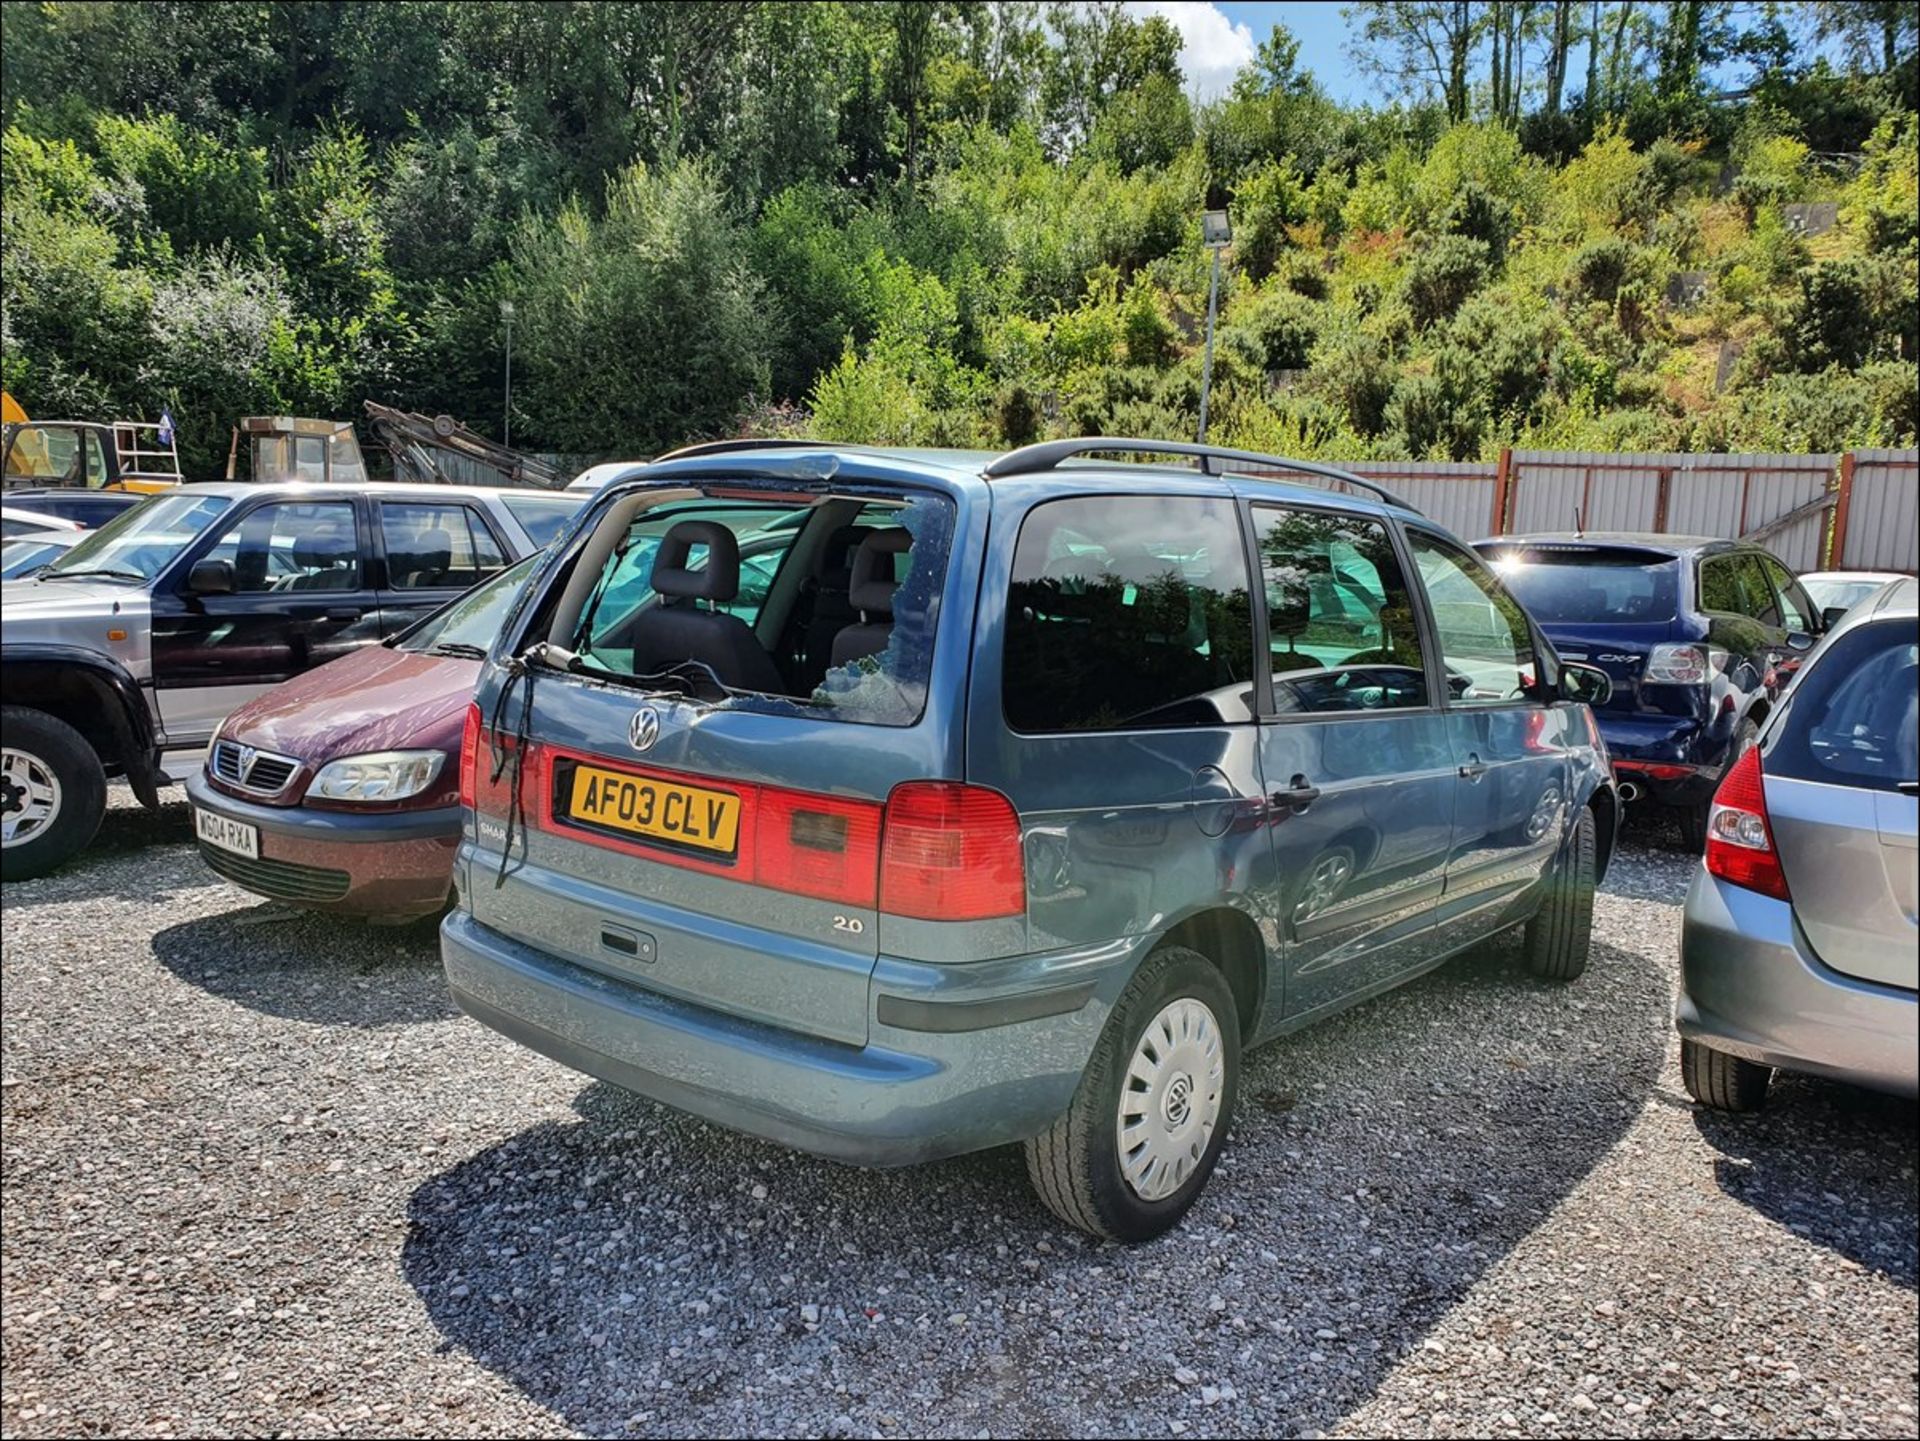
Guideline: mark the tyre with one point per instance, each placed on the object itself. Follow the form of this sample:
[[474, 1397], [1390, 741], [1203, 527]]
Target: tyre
[[1723, 1082], [1151, 1113], [1693, 819], [1561, 932], [53, 792]]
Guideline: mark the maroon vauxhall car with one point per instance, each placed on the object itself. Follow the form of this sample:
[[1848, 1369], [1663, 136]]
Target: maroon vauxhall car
[[339, 790]]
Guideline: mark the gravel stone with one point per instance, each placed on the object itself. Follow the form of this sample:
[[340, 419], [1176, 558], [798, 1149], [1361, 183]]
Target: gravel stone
[[261, 1178]]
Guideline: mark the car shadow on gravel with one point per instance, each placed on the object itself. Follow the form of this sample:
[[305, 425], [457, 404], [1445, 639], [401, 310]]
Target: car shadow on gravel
[[639, 1270], [308, 966], [131, 826], [1830, 1162]]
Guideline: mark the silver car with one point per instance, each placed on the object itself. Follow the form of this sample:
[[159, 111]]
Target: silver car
[[1800, 949]]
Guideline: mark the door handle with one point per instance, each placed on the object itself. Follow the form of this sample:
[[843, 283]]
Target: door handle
[[344, 613], [1297, 796], [1474, 768]]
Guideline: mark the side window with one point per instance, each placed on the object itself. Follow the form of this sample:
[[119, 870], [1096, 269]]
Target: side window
[[1735, 585], [1485, 641], [309, 457], [1794, 604], [1340, 625], [437, 545], [293, 546], [96, 461], [1128, 612]]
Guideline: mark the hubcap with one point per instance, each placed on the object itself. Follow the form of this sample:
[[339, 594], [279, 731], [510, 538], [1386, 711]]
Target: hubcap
[[29, 797], [1170, 1100]]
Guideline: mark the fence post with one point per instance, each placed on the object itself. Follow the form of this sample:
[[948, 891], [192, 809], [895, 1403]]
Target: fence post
[[1837, 538], [1502, 479]]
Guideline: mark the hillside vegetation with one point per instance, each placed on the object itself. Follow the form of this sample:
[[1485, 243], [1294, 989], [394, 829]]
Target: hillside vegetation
[[963, 224]]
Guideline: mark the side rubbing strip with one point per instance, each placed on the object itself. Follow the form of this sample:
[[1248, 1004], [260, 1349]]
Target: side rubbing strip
[[910, 1015]]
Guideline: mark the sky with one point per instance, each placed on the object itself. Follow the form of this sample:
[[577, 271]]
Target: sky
[[1220, 38]]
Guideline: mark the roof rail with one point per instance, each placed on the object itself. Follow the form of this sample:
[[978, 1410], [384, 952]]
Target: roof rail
[[1048, 454]]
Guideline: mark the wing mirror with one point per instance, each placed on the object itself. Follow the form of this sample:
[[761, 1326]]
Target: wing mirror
[[1799, 642], [211, 577], [1585, 683], [1832, 615]]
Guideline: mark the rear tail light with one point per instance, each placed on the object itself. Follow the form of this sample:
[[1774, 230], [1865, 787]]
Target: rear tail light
[[1678, 665], [469, 754], [1740, 849], [818, 846], [951, 852]]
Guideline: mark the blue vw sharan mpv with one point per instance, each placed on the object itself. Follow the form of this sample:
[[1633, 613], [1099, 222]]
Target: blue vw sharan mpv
[[1015, 797]]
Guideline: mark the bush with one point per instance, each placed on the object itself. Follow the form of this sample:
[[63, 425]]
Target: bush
[[1599, 269], [1017, 418], [1850, 311], [1434, 417], [1265, 203], [1480, 215], [1277, 328], [1505, 349], [1354, 371], [1147, 337], [1444, 272]]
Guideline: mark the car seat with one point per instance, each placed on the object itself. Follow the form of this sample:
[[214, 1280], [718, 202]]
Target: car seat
[[679, 629], [870, 592], [327, 562]]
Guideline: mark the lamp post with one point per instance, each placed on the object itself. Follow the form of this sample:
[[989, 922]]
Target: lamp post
[[506, 413], [1216, 233]]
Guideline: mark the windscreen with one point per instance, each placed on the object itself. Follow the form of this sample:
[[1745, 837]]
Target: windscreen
[[1591, 585], [820, 604], [468, 625], [141, 543]]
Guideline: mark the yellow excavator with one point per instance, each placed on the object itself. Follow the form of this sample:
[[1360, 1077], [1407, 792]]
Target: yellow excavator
[[133, 455]]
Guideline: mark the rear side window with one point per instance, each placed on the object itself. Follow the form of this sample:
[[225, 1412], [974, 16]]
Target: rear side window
[[437, 546], [1340, 626], [1596, 585], [1855, 715], [1128, 612], [1735, 585]]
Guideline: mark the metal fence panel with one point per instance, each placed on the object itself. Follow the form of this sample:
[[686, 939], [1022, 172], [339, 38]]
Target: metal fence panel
[[1460, 497], [1883, 520]]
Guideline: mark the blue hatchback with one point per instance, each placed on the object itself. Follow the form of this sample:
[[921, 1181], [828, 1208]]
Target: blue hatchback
[[1027, 793], [1699, 637]]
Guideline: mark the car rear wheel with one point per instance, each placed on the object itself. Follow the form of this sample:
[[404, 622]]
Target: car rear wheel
[[1560, 935], [1150, 1117], [1723, 1082], [53, 792]]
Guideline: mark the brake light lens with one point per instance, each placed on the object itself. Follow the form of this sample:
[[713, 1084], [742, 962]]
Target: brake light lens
[[1740, 849], [818, 846], [469, 754], [951, 852], [1678, 665]]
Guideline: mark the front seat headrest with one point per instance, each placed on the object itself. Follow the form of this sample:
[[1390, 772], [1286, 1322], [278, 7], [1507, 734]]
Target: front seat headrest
[[871, 589], [319, 552], [717, 580]]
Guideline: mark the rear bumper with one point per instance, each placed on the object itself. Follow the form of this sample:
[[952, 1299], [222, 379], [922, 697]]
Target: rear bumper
[[1749, 986], [391, 864], [1000, 1073], [1675, 760]]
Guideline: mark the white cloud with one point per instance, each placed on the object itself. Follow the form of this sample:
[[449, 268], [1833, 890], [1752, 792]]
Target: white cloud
[[1212, 48]]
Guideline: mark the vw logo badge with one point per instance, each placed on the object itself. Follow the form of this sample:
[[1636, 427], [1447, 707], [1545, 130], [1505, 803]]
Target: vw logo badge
[[644, 729]]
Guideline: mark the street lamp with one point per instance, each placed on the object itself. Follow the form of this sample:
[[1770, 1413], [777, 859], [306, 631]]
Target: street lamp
[[506, 415], [1216, 233]]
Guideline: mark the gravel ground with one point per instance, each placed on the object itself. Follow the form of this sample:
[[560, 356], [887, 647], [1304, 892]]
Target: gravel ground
[[260, 1178]]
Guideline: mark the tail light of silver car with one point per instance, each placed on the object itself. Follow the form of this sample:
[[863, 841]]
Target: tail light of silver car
[[1740, 848]]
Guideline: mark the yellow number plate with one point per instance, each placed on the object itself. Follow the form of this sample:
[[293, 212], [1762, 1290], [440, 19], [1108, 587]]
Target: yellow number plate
[[657, 810]]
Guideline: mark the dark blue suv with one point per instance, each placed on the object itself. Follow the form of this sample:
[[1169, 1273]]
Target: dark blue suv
[[1028, 792], [1698, 635]]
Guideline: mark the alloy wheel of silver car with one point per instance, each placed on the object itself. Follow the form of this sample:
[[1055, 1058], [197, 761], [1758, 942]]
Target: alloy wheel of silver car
[[29, 797], [1170, 1100]]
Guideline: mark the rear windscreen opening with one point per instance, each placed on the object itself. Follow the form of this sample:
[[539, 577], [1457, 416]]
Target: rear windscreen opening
[[1591, 584], [782, 601]]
